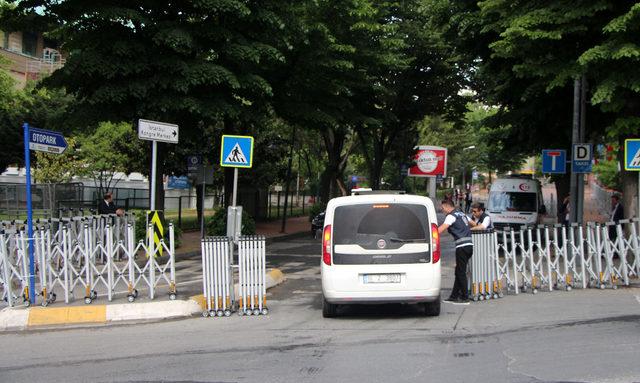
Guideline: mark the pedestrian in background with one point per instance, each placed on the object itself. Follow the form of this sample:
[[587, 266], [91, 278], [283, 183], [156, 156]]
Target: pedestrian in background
[[467, 200], [457, 224], [563, 211], [106, 206], [617, 213]]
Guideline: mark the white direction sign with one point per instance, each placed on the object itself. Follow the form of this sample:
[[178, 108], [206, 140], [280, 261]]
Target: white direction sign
[[157, 131]]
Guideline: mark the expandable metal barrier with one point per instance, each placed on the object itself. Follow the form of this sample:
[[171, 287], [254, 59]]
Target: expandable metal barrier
[[82, 257], [554, 257], [218, 276]]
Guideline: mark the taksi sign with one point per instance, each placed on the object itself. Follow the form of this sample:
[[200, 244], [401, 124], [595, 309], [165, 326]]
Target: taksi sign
[[581, 158], [430, 161], [554, 161], [236, 151], [46, 141]]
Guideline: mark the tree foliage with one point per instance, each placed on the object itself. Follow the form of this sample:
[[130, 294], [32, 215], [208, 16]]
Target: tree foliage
[[107, 151], [60, 168]]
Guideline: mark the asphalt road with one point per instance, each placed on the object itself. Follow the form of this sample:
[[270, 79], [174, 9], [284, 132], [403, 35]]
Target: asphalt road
[[577, 336]]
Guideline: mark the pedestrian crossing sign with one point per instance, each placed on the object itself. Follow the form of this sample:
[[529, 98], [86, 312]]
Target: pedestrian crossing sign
[[632, 154], [236, 151]]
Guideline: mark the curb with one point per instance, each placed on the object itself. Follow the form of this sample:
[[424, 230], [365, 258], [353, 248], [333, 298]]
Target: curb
[[21, 318]]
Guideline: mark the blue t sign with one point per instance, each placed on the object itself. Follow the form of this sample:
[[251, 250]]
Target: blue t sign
[[554, 161]]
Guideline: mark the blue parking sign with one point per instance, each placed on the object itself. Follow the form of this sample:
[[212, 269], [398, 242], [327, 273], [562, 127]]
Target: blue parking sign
[[554, 161], [632, 154]]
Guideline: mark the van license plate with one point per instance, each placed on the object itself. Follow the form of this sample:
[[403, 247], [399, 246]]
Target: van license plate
[[381, 278]]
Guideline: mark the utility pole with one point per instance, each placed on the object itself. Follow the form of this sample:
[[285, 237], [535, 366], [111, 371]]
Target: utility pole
[[576, 204]]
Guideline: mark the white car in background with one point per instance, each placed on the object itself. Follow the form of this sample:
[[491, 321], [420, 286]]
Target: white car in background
[[380, 247]]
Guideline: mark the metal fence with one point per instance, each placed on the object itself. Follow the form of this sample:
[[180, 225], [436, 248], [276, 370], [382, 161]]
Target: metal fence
[[218, 276], [83, 257], [554, 258]]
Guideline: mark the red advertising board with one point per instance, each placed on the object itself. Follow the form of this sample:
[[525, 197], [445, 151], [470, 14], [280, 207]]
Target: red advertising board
[[430, 161]]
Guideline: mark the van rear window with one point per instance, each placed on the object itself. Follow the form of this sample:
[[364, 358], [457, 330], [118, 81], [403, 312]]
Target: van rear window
[[363, 224]]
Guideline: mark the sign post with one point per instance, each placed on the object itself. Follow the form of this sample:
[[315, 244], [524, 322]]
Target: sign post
[[235, 152], [43, 141], [632, 162], [155, 131], [431, 162]]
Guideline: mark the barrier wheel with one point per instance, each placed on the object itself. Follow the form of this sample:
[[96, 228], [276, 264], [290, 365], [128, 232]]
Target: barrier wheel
[[219, 313], [535, 291], [240, 312], [135, 293], [172, 296], [205, 314], [569, 288], [212, 313], [615, 287], [87, 301], [27, 303], [94, 294], [265, 311], [602, 287], [256, 311], [495, 296], [131, 298], [53, 297], [481, 298], [45, 303], [501, 295], [227, 313], [247, 312], [475, 298]]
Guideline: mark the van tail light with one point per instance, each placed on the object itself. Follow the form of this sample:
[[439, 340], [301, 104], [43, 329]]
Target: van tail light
[[435, 236], [326, 245]]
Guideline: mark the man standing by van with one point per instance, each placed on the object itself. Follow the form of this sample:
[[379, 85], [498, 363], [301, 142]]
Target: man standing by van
[[457, 224], [480, 220]]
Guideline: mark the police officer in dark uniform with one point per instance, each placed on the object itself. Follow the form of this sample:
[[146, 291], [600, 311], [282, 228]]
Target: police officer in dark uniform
[[457, 224]]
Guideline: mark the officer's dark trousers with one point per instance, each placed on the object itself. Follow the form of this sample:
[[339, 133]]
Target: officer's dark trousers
[[460, 287]]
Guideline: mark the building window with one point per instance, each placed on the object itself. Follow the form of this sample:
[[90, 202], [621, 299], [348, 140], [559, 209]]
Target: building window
[[29, 43]]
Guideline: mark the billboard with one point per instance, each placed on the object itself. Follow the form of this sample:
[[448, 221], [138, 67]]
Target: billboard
[[430, 161]]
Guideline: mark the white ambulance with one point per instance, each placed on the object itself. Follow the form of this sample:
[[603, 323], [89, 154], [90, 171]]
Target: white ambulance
[[515, 202]]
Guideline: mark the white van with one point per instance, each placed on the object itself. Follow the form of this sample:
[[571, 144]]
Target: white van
[[380, 248], [515, 202]]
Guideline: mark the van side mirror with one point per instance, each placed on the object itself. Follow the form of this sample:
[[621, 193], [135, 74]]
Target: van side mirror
[[542, 209]]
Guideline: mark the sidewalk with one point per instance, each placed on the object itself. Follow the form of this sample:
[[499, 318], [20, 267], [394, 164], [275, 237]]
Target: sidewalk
[[271, 230], [77, 314]]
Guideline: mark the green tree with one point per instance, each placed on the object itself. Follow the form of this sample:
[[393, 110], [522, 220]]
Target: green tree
[[524, 57], [421, 79], [112, 148], [59, 168], [198, 64]]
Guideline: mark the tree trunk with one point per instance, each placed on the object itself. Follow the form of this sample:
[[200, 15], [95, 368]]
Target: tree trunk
[[629, 181], [288, 180], [199, 207], [562, 184]]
